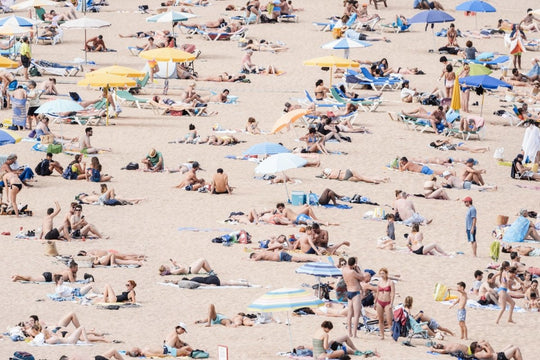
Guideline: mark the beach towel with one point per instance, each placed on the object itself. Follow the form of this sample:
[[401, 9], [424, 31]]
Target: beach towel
[[19, 111], [216, 287], [517, 231], [337, 206], [475, 305], [495, 250]]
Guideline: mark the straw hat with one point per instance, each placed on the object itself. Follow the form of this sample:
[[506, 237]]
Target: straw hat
[[152, 152]]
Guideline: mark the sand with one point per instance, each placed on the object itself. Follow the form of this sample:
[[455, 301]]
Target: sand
[[151, 227]]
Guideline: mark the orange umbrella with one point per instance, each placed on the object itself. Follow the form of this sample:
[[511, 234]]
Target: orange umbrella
[[286, 120]]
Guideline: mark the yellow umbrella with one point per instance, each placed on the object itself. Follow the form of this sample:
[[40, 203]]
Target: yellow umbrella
[[456, 103], [7, 63], [287, 119], [118, 70], [331, 61], [167, 54], [106, 80]]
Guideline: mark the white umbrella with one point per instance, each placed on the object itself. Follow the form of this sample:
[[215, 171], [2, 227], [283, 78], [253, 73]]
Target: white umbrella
[[280, 163], [170, 17], [33, 3], [85, 23], [345, 44]]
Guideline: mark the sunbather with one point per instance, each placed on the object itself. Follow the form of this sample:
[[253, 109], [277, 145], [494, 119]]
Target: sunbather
[[112, 259], [520, 172], [80, 227], [95, 44], [267, 216], [446, 144], [219, 23], [106, 197], [452, 181], [437, 117], [279, 256], [263, 45], [416, 246], [65, 291], [139, 34], [215, 318], [126, 296], [406, 165], [314, 142], [55, 17], [350, 175], [219, 140], [69, 274], [311, 243], [211, 280], [194, 268], [252, 126], [432, 191], [223, 77], [446, 161]]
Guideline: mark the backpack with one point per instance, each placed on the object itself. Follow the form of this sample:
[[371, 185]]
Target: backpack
[[199, 354], [33, 71], [43, 168], [68, 173], [22, 355]]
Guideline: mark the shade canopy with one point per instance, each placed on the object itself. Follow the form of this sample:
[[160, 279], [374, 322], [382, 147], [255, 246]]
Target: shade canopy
[[476, 6], [280, 162], [9, 137], [284, 300], [167, 54], [475, 69], [118, 70], [59, 106], [266, 148], [14, 30], [104, 79], [287, 119], [431, 17]]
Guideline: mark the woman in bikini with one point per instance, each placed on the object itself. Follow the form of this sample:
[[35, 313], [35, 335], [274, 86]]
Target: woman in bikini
[[416, 246], [13, 185], [314, 142], [320, 90], [112, 260], [349, 175], [384, 300], [506, 279], [126, 296], [78, 171], [449, 78], [533, 296], [432, 191], [194, 268]]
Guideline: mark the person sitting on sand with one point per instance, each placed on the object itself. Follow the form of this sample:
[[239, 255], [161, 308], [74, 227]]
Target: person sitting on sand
[[126, 296], [453, 182], [416, 246], [433, 191], [471, 174], [85, 145], [220, 183], [314, 142], [48, 231], [68, 292], [191, 182], [406, 165], [172, 346], [323, 348], [80, 227], [406, 211], [95, 44], [42, 128], [349, 175], [153, 161], [252, 126], [247, 64], [93, 171], [215, 318], [329, 195], [315, 243], [278, 256], [70, 274], [520, 172], [194, 268]]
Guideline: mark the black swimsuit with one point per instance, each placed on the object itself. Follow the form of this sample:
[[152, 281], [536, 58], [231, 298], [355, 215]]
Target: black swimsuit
[[123, 297]]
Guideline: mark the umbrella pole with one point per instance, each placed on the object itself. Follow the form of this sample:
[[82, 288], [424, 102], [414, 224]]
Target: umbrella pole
[[433, 36], [331, 68], [166, 83], [286, 189], [290, 332], [107, 105], [482, 106], [85, 50]]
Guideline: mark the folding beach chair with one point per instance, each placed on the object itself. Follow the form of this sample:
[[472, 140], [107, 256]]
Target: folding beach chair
[[215, 36], [124, 96], [288, 18], [383, 82], [416, 329], [465, 135], [415, 123], [374, 2], [366, 104], [326, 103]]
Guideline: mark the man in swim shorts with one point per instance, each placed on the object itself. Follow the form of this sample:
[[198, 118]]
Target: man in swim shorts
[[174, 346], [406, 165], [280, 256], [353, 276]]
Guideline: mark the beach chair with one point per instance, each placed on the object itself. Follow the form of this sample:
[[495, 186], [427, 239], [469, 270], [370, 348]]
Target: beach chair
[[48, 67], [396, 26], [374, 2], [383, 82], [251, 19], [124, 96], [366, 104], [415, 123], [512, 118], [416, 329], [354, 79], [465, 135], [40, 13], [215, 36], [366, 25], [324, 25], [53, 40], [140, 84], [13, 51], [326, 103], [189, 30], [288, 18]]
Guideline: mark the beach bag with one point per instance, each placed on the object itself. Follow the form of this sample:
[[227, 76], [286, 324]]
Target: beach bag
[[199, 354], [50, 248], [441, 292], [33, 71], [499, 154], [46, 139], [54, 148], [22, 355]]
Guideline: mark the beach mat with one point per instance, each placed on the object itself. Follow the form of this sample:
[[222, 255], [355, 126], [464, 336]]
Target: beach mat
[[473, 304]]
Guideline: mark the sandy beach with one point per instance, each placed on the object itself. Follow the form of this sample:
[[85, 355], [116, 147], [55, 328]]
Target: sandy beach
[[151, 227]]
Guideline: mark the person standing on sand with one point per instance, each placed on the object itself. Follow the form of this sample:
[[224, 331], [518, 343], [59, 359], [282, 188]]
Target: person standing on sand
[[470, 224], [461, 301], [353, 276]]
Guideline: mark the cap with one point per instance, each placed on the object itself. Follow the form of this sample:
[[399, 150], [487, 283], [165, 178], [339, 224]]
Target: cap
[[12, 156], [182, 325], [446, 173], [467, 199], [195, 164]]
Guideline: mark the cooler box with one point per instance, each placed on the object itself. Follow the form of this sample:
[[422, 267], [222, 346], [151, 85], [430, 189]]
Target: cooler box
[[298, 198]]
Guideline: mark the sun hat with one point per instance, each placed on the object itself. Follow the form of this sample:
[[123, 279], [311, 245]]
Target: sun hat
[[446, 173], [152, 152], [182, 325]]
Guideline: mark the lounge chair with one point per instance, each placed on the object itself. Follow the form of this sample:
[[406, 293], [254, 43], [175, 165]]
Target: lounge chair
[[324, 25], [288, 18], [366, 25], [189, 30], [48, 67], [415, 123], [396, 26], [215, 36], [381, 81], [92, 115], [354, 79], [326, 103], [479, 121], [140, 84], [251, 19], [40, 13], [124, 96], [416, 329], [53, 40], [512, 118], [366, 104], [13, 51]]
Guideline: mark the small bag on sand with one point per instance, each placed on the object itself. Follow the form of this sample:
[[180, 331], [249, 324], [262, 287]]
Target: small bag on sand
[[50, 248], [83, 261]]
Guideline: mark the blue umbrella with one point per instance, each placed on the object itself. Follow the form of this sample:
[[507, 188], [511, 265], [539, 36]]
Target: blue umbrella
[[9, 137], [266, 148], [476, 6], [484, 81], [431, 17], [59, 106]]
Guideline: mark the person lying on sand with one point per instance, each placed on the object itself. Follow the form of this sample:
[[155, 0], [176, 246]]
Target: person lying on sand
[[127, 296], [215, 318], [117, 255], [68, 292], [194, 268], [305, 215], [211, 280], [278, 256], [406, 165], [70, 274], [349, 175], [266, 216], [219, 140], [112, 354], [223, 77], [451, 181], [107, 197]]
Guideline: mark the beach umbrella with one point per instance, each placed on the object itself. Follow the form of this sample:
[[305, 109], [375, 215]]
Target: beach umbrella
[[476, 6], [9, 137], [8, 63], [320, 270], [287, 119], [266, 148], [346, 44], [475, 69], [14, 30], [18, 21], [59, 106], [167, 54], [106, 80], [85, 23], [431, 17], [456, 103], [285, 300], [33, 3], [331, 62], [483, 82], [170, 17], [118, 70], [279, 163]]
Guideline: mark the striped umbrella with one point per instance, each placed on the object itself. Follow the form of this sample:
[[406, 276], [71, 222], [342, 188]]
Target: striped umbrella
[[319, 269], [9, 137], [18, 21], [284, 300], [345, 44], [266, 148]]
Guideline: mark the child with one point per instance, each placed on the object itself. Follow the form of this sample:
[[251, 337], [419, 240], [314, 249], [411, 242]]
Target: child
[[478, 276], [462, 312], [390, 230]]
